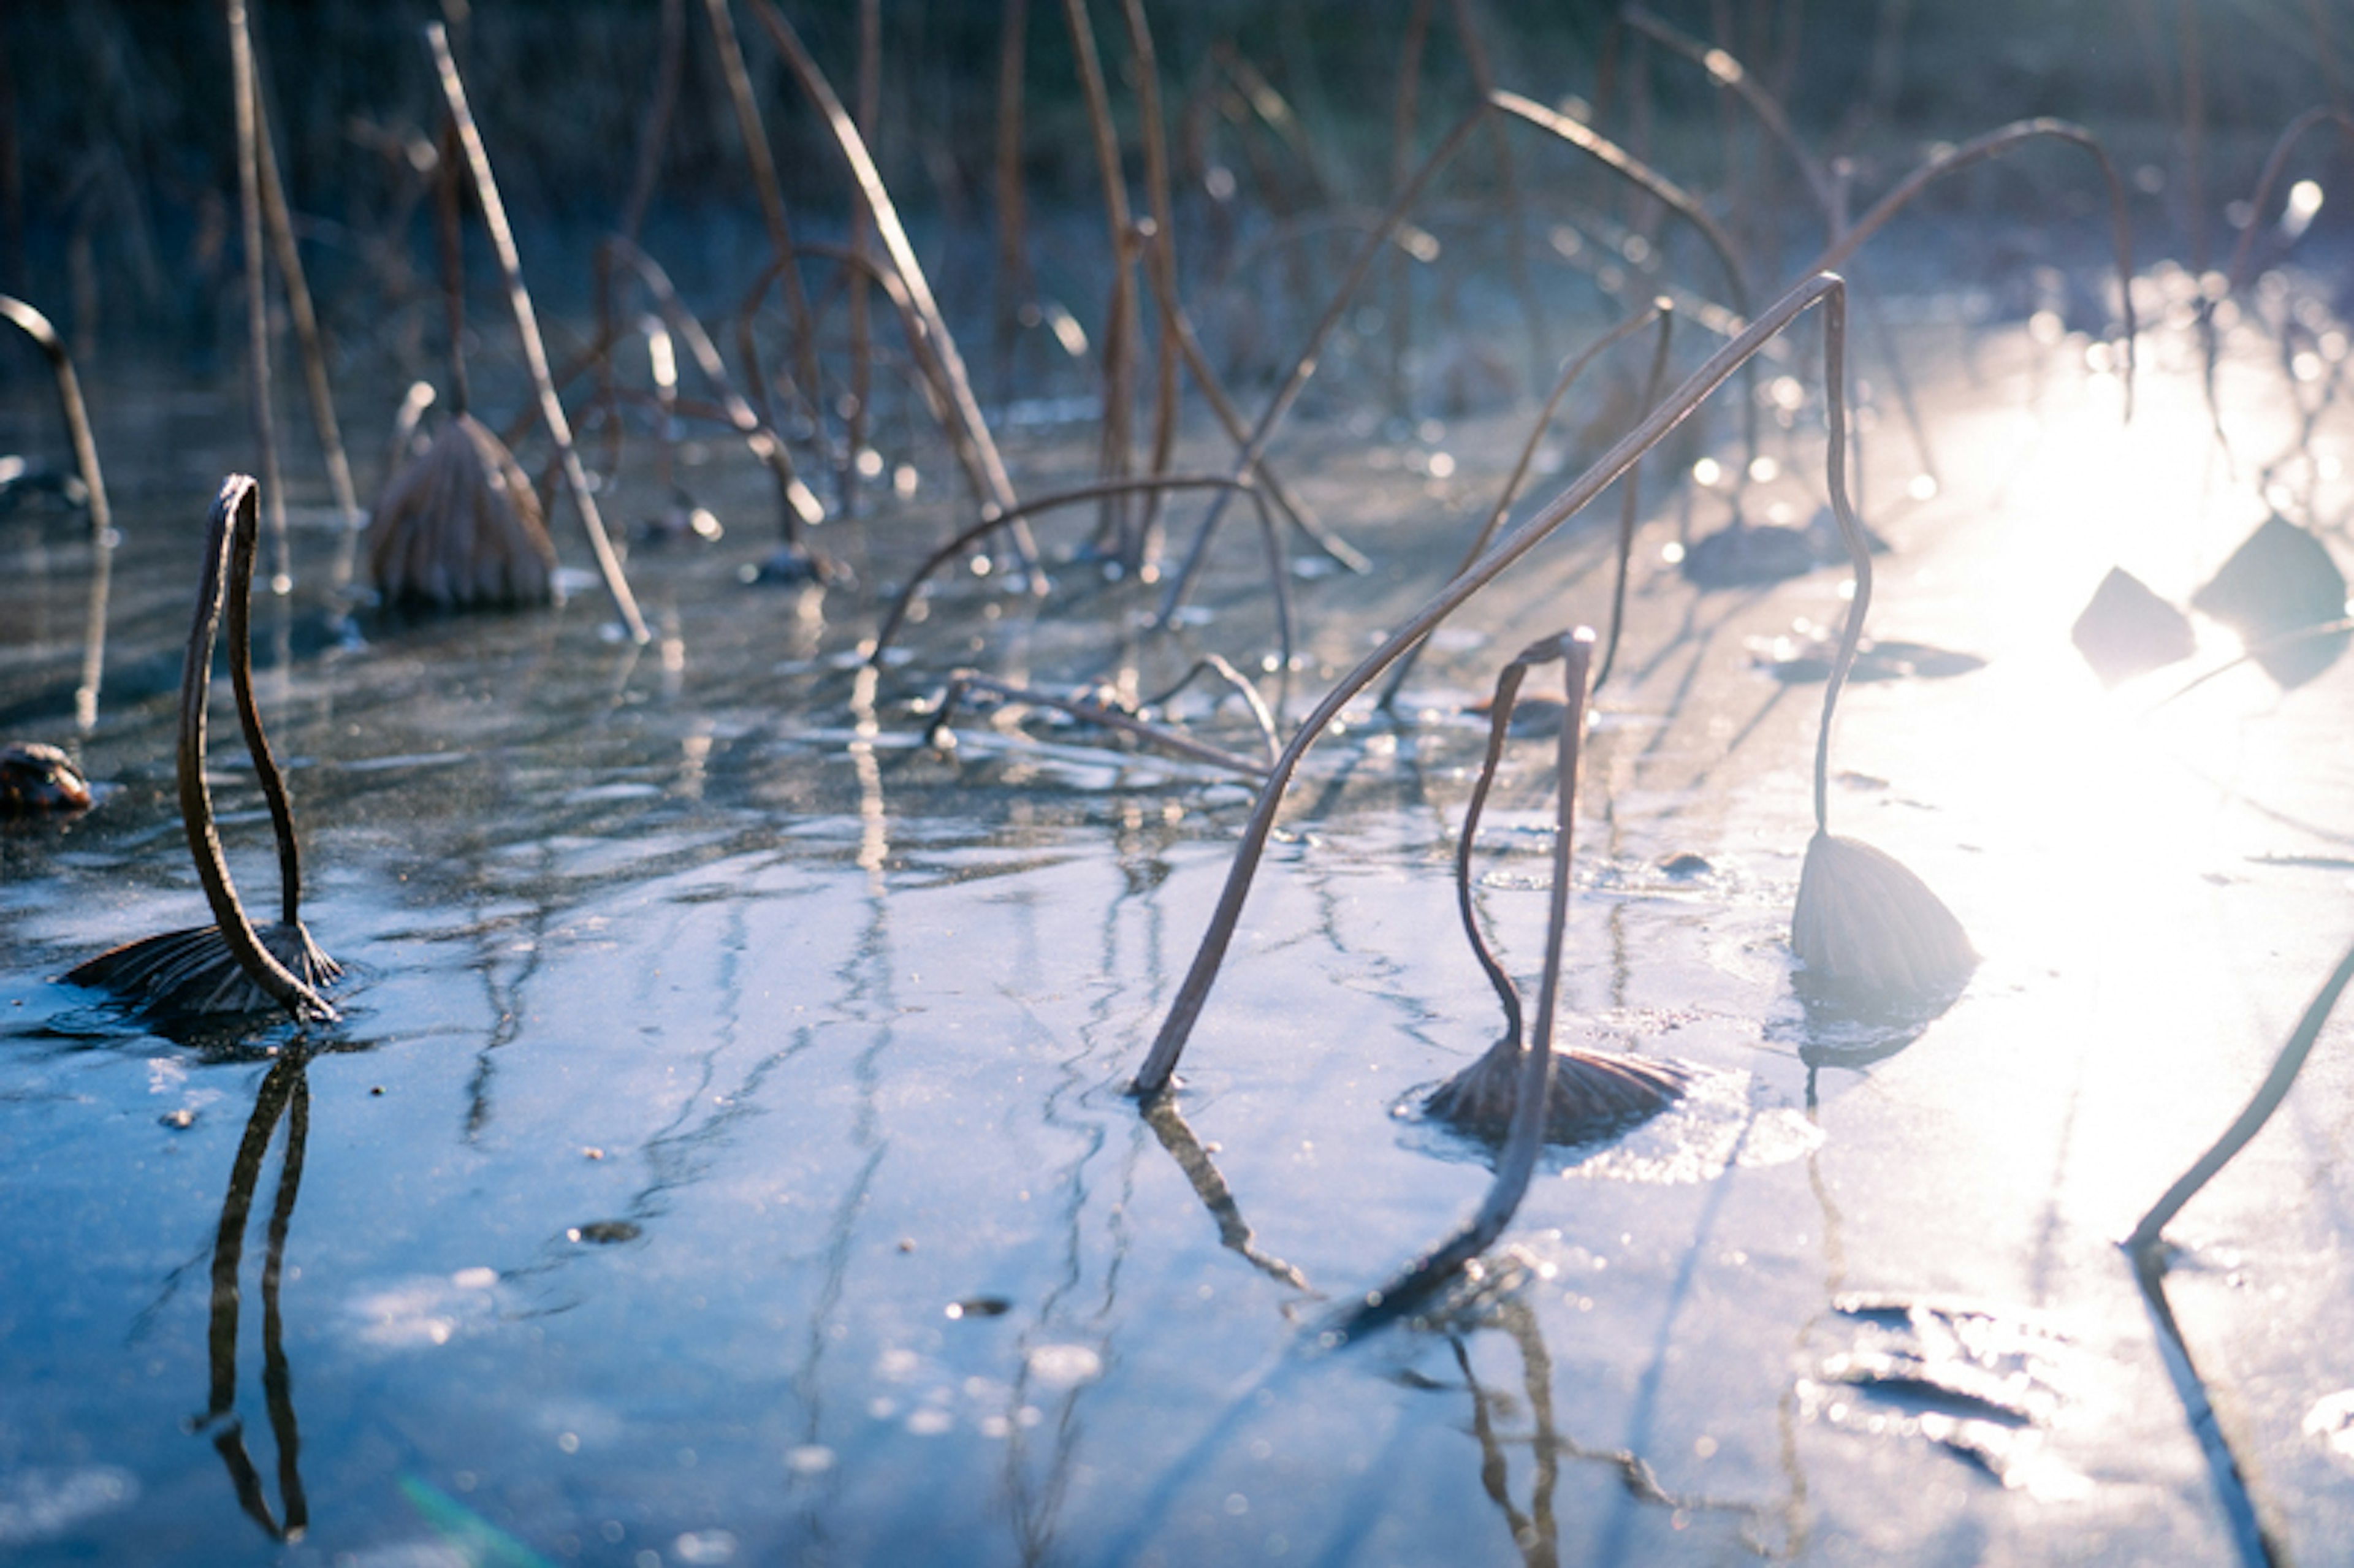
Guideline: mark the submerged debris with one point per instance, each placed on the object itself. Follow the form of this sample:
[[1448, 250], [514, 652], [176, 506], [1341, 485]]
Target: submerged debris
[[35, 776]]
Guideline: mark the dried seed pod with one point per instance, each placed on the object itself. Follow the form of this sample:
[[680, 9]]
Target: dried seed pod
[[1867, 928], [2280, 580], [2128, 630], [462, 526]]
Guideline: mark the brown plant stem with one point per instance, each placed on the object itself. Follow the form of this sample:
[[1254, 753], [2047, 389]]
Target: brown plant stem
[[299, 309], [1516, 238], [1534, 1091], [1977, 150], [1161, 267], [257, 290], [1630, 499], [1571, 370], [1151, 734], [653, 132], [235, 514], [796, 507], [37, 327], [1013, 256], [772, 201], [946, 552], [2250, 1120], [938, 349], [559, 428], [1828, 290], [1116, 428]]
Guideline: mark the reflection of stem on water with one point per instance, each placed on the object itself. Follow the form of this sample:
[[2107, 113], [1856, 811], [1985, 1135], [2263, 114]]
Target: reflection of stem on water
[[1234, 1231], [286, 1092], [2257, 1546], [1537, 1533]]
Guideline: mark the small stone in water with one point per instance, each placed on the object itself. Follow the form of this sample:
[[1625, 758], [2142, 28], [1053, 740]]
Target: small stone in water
[[605, 1232], [980, 1306], [1686, 865], [906, 1244], [592, 1153], [178, 1120]]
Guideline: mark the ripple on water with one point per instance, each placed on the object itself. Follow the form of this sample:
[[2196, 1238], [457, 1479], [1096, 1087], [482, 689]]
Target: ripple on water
[[45, 1501]]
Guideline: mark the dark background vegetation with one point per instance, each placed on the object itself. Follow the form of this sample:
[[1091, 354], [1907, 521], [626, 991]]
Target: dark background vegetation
[[118, 184]]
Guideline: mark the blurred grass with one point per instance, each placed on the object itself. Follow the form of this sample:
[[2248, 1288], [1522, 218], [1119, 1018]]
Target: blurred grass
[[117, 173]]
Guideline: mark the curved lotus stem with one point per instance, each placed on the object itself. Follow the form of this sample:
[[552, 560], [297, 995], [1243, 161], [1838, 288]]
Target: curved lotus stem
[[1825, 288], [1571, 370], [36, 325], [239, 590], [1977, 150], [2251, 1122], [237, 509], [551, 408], [1500, 724], [1534, 1093], [1859, 550], [896, 616]]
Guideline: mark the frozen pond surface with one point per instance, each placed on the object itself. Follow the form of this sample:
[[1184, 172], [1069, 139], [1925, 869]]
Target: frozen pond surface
[[724, 1154]]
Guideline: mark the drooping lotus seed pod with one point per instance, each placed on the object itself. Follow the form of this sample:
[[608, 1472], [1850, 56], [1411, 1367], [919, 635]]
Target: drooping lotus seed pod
[[1867, 929], [2128, 630], [462, 526]]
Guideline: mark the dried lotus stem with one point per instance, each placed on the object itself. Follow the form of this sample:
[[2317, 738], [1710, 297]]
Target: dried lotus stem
[[1177, 1027], [551, 408], [36, 325]]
